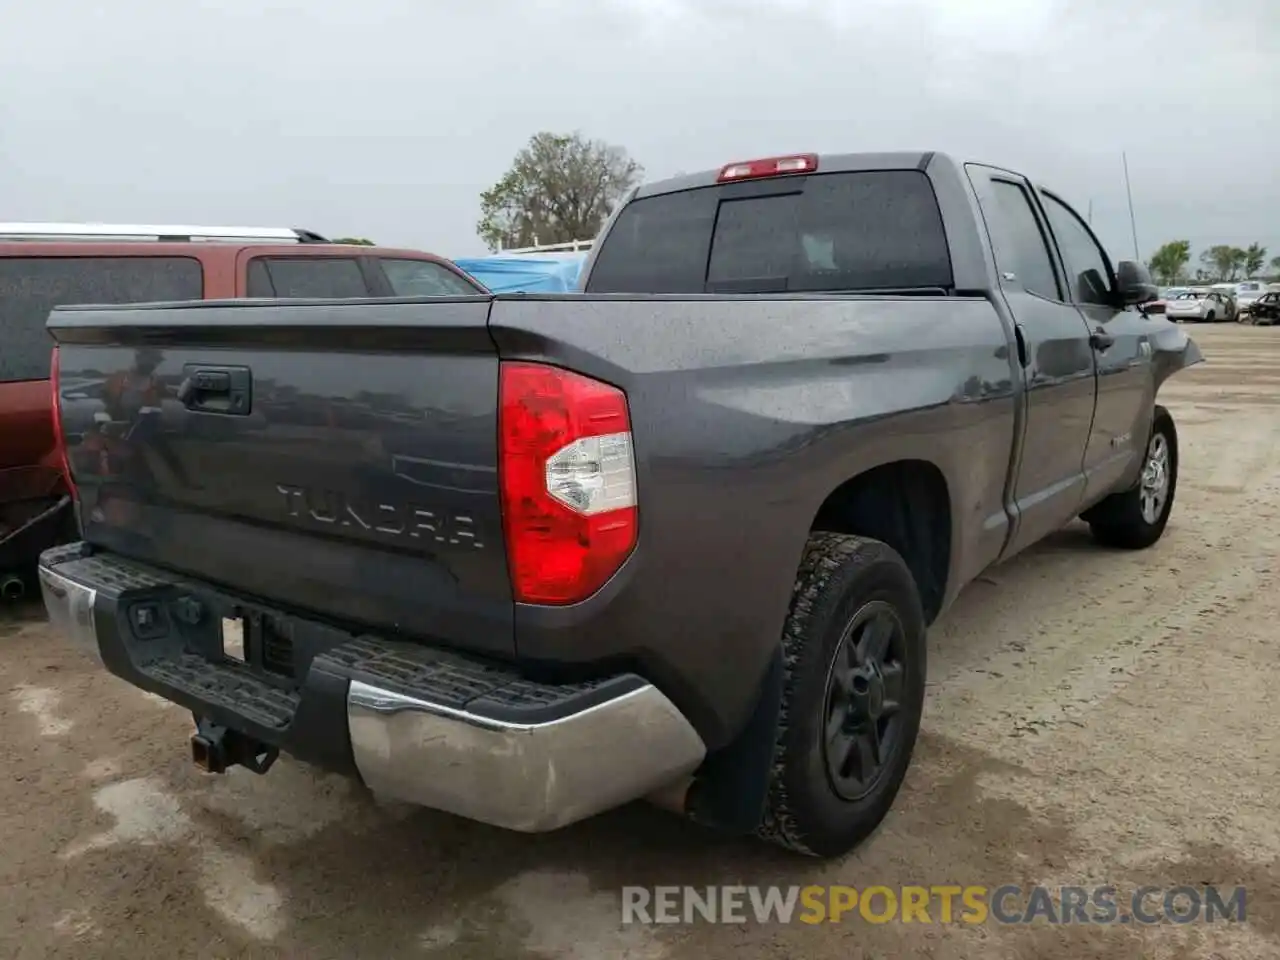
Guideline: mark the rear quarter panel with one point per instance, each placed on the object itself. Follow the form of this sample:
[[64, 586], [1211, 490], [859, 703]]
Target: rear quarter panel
[[747, 413]]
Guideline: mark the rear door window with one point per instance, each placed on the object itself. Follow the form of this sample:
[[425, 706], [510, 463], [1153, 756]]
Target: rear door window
[[866, 230], [424, 278], [322, 278], [30, 287]]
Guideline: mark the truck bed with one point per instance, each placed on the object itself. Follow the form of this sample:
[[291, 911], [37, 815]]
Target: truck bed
[[362, 485]]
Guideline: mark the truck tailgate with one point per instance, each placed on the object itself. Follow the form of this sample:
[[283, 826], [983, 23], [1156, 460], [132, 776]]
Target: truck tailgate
[[338, 458]]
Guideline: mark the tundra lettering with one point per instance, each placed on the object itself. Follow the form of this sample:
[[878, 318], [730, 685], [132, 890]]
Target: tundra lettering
[[333, 506]]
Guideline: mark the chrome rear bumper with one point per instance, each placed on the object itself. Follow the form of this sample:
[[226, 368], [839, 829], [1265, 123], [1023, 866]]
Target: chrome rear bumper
[[528, 777], [505, 751], [70, 607]]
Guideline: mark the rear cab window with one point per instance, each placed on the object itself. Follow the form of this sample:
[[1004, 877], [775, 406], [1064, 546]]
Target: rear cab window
[[823, 232], [31, 286]]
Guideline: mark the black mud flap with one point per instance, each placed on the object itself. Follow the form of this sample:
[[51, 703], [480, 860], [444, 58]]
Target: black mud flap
[[731, 788]]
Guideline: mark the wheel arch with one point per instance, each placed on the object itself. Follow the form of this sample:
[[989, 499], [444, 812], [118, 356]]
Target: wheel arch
[[908, 505]]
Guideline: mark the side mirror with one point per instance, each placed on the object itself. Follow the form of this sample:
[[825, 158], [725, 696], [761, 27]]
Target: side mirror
[[1134, 284]]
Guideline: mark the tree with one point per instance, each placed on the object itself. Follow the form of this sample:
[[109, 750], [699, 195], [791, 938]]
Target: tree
[[560, 187], [1170, 260], [355, 241], [1238, 258], [1225, 260], [1255, 255], [1275, 264]]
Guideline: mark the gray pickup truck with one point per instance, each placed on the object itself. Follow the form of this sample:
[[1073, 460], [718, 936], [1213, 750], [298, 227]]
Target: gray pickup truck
[[677, 536]]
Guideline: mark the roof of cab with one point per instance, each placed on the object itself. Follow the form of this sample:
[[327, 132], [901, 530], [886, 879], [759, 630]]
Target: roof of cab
[[827, 163]]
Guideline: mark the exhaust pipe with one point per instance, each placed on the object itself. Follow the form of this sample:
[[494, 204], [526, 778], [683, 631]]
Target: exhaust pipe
[[12, 587]]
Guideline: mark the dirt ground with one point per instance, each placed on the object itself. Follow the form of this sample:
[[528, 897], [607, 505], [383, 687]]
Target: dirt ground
[[1095, 717]]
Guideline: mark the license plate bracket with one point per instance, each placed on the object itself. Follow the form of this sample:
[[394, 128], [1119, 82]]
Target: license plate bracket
[[234, 639], [260, 641]]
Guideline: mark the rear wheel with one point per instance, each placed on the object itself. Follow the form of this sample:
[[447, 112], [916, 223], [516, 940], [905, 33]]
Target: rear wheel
[[1135, 519], [854, 649], [1210, 318]]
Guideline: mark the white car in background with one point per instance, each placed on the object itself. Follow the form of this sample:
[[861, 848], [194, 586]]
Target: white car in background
[[1166, 294], [1247, 292], [1210, 306]]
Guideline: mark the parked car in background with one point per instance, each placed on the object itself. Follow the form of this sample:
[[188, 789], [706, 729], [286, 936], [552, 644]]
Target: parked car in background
[[44, 265], [1228, 292], [1247, 293], [1158, 305], [1265, 311], [1210, 306]]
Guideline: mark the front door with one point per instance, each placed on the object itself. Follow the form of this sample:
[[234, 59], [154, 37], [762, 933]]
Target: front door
[[1121, 341]]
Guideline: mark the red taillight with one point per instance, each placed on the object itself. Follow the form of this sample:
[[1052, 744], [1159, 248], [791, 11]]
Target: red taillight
[[568, 482], [59, 439], [769, 167]]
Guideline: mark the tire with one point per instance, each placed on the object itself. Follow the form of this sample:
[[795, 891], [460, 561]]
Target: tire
[[1210, 318], [842, 579], [1121, 520]]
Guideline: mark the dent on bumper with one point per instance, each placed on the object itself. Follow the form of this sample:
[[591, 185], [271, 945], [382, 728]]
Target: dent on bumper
[[527, 777]]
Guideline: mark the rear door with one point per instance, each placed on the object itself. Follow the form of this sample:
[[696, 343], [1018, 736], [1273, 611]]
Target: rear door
[[1058, 362]]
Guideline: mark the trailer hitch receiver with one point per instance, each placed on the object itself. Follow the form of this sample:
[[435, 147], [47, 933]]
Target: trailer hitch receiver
[[215, 749]]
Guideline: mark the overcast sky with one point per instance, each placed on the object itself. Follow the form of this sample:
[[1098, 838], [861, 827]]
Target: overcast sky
[[386, 118]]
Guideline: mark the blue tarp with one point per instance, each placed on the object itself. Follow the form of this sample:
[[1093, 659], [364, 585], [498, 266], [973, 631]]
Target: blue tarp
[[526, 273]]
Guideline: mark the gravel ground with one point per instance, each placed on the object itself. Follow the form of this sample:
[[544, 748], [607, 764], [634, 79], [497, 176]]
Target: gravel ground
[[1094, 717]]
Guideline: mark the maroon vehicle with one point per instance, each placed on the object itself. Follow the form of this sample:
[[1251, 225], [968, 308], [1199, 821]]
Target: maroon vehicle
[[44, 265]]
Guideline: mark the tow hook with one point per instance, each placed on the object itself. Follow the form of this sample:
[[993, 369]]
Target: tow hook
[[215, 749]]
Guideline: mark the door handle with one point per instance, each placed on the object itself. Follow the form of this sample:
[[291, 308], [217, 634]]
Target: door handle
[[1100, 340], [210, 383], [1021, 339], [226, 390]]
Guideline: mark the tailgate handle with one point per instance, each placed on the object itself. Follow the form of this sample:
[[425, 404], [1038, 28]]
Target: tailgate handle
[[209, 389]]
